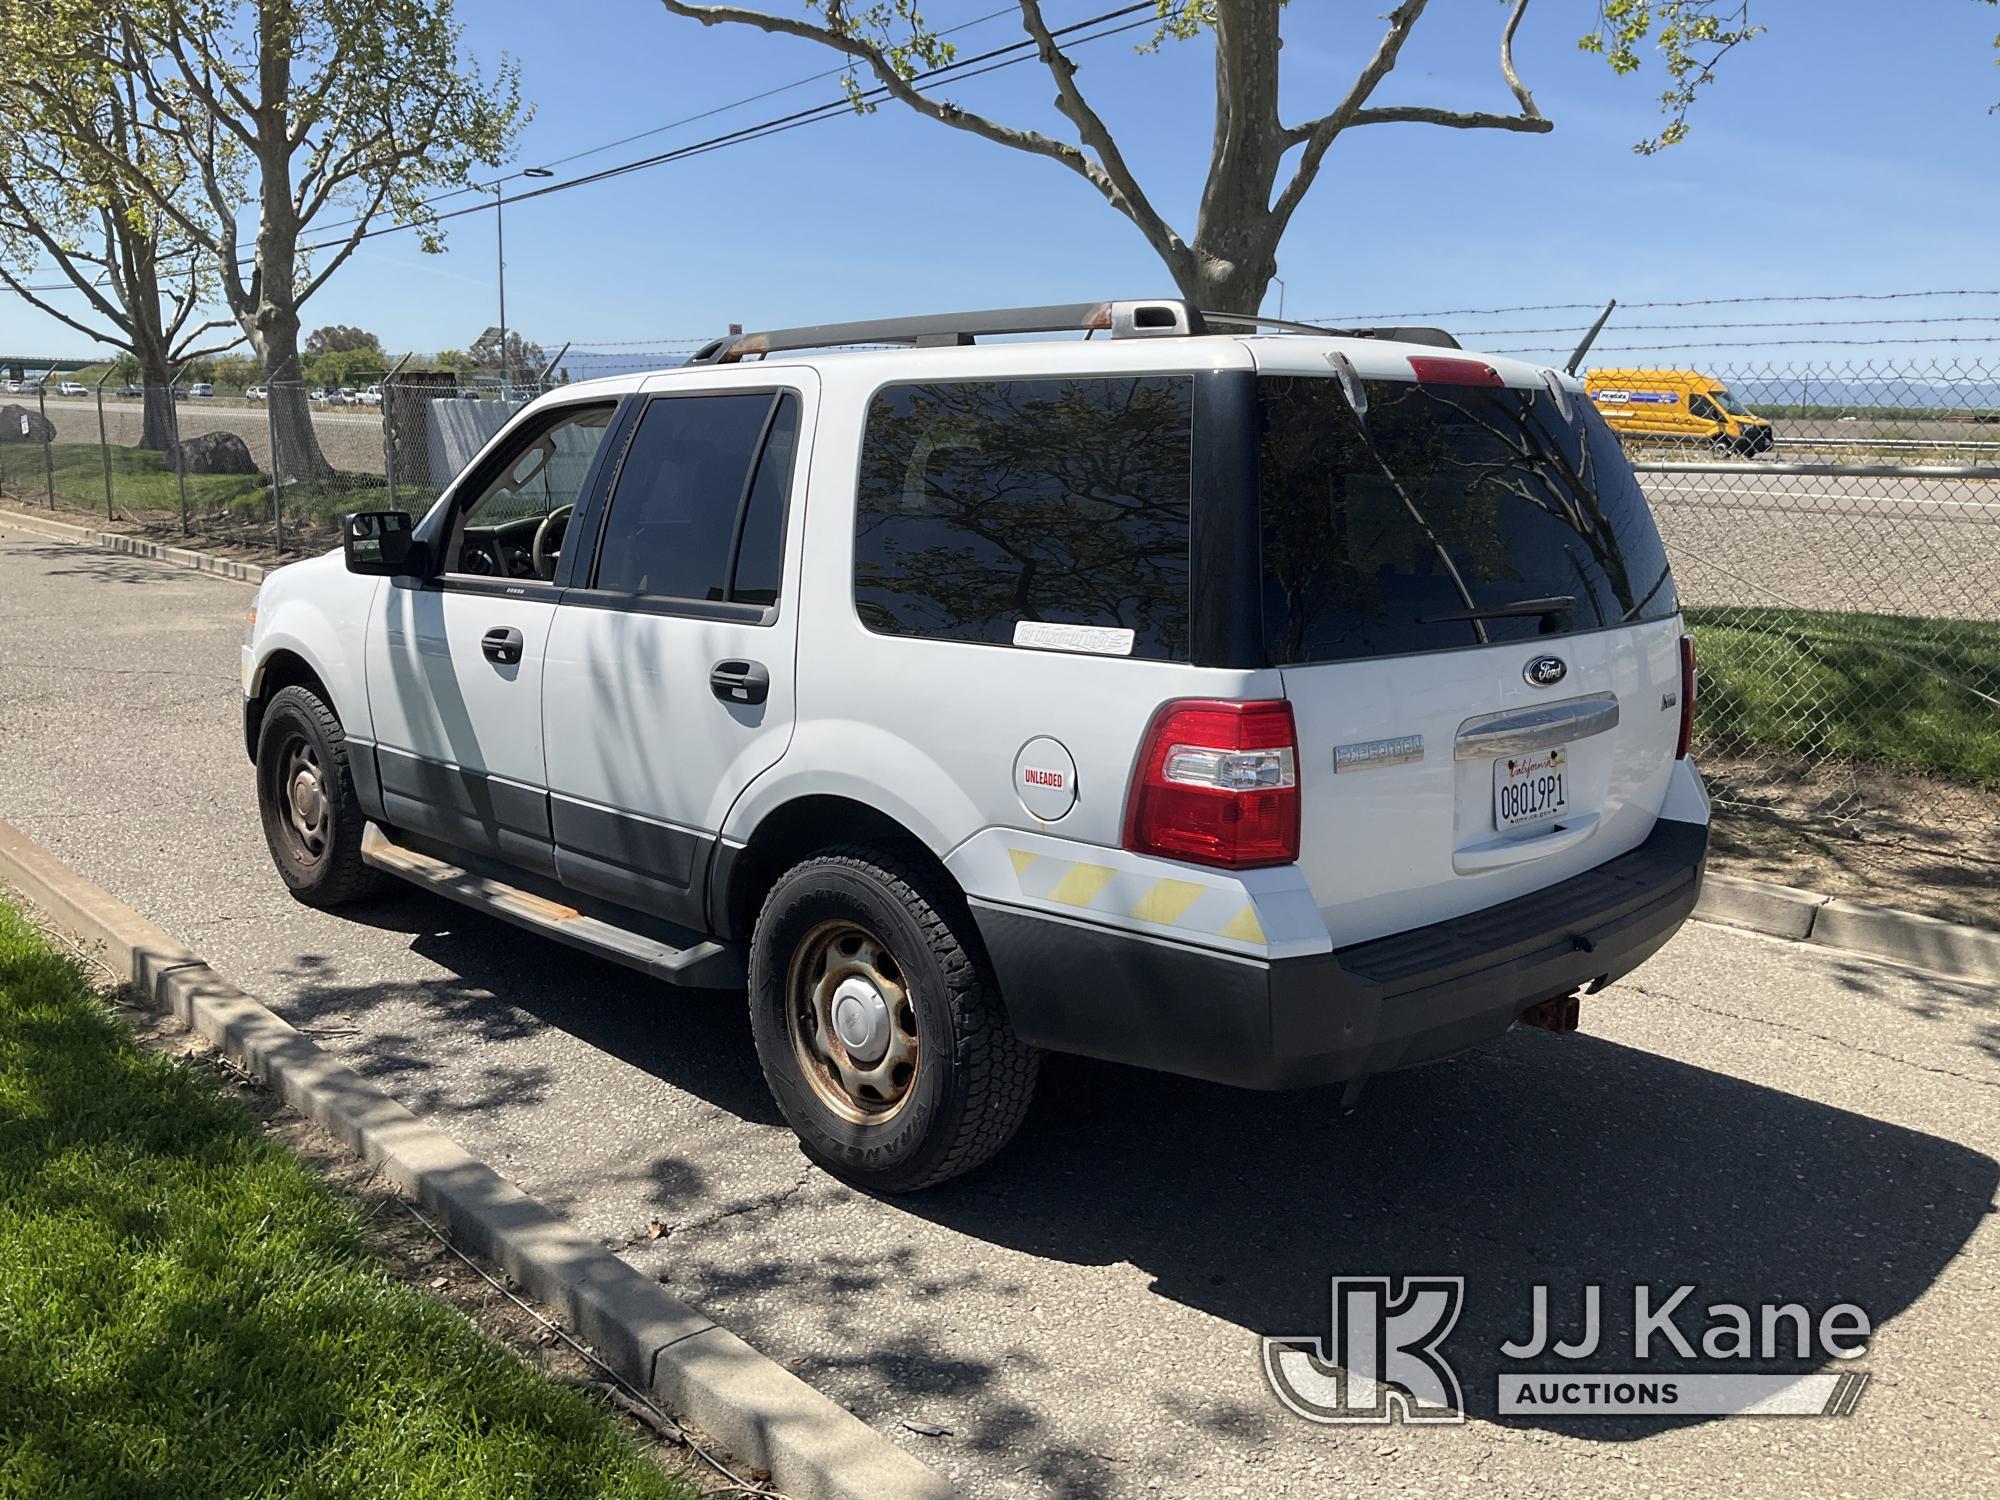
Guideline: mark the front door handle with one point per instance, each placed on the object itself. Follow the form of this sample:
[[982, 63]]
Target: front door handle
[[740, 681], [502, 644]]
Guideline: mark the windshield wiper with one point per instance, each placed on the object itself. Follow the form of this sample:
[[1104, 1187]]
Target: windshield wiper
[[1555, 604]]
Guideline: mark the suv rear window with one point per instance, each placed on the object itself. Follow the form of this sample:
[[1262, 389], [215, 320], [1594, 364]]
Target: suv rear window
[[1446, 501], [983, 505]]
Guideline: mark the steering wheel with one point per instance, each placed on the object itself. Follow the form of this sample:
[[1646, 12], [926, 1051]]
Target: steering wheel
[[541, 553]]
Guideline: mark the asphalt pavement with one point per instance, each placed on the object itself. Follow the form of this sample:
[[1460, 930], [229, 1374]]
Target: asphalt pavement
[[1082, 1317]]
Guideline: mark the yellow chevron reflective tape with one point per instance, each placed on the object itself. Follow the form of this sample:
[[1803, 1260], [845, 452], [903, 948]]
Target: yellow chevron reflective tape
[[1079, 887], [1167, 900], [1244, 927]]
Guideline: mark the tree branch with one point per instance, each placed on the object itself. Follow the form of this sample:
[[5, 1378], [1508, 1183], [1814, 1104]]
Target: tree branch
[[1120, 186], [1031, 141], [1353, 110]]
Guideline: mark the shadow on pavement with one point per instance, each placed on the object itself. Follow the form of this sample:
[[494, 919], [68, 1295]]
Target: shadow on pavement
[[1564, 1160]]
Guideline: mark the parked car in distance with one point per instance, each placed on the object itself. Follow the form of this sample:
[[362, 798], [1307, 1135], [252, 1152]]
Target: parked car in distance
[[467, 393], [128, 389], [71, 388], [202, 390], [256, 392], [1277, 710], [372, 396]]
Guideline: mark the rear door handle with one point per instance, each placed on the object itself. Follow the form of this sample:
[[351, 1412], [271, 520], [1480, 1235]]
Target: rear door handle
[[740, 681], [502, 644]]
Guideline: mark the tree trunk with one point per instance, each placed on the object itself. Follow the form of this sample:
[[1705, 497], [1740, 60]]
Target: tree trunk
[[273, 321], [295, 450], [157, 431]]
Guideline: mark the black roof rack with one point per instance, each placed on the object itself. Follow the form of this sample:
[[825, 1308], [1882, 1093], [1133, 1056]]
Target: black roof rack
[[1163, 317]]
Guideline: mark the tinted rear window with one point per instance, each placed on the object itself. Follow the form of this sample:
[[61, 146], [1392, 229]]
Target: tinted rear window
[[983, 505], [1447, 500]]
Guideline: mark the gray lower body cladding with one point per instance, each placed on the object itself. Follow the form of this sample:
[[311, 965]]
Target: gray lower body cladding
[[1391, 1002]]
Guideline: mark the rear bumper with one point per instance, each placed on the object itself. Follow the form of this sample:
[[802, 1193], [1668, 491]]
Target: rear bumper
[[1388, 1003]]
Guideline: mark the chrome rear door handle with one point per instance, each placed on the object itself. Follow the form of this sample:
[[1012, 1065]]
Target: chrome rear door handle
[[1519, 731]]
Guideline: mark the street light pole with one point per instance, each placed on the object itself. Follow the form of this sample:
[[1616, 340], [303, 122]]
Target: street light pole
[[498, 187], [500, 244]]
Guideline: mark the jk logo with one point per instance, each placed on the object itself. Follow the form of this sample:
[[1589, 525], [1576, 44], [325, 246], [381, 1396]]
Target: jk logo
[[1380, 1362]]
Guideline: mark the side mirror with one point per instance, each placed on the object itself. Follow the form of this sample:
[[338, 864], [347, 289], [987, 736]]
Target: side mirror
[[378, 542]]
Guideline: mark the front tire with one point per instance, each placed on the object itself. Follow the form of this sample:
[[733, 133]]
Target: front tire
[[878, 1025], [305, 795]]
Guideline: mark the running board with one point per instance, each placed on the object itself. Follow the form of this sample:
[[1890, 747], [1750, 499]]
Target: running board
[[702, 964]]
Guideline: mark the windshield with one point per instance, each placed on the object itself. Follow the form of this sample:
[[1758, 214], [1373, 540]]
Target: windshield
[[1454, 516], [1729, 403]]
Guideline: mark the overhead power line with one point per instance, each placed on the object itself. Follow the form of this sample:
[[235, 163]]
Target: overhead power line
[[958, 71]]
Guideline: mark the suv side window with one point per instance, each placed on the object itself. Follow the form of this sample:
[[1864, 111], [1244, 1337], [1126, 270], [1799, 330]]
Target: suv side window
[[494, 536], [699, 507], [984, 506]]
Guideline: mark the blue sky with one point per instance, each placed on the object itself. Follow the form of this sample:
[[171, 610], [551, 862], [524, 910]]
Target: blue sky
[[1838, 153]]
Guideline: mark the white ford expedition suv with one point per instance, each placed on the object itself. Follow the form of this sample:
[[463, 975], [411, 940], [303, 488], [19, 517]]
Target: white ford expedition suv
[[1273, 708]]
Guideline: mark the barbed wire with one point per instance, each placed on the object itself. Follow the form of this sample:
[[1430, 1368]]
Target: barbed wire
[[1597, 349], [1494, 312]]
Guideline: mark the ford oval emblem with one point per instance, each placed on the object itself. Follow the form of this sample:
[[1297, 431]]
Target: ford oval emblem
[[1545, 671]]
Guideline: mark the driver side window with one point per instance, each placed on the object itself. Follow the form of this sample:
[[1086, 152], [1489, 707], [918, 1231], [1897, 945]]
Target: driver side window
[[514, 528]]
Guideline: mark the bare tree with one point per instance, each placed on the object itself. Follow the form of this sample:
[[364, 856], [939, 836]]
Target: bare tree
[[357, 107], [1260, 169], [82, 161]]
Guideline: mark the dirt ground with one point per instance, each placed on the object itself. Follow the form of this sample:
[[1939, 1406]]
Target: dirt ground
[[1887, 838]]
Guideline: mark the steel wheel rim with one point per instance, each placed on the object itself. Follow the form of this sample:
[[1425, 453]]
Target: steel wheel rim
[[861, 1060], [300, 794]]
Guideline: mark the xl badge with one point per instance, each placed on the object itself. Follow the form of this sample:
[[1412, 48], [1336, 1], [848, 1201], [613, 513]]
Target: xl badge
[[1545, 671]]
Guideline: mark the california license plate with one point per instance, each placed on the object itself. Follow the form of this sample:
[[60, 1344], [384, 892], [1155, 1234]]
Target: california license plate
[[1530, 788]]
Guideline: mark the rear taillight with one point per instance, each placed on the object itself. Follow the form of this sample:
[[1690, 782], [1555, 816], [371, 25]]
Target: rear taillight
[[1687, 697], [1218, 783], [1432, 369]]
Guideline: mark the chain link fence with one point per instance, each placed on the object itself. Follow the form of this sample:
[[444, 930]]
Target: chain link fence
[[1835, 532], [1835, 535]]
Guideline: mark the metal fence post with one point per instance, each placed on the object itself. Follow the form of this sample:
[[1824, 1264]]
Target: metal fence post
[[179, 454], [48, 441], [389, 426], [273, 390], [104, 441]]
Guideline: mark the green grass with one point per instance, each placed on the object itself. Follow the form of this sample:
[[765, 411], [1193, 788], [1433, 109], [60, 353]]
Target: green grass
[[140, 480], [187, 1311], [1885, 689]]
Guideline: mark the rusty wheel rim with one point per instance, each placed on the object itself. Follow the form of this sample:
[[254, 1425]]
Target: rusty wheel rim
[[852, 1022], [300, 794]]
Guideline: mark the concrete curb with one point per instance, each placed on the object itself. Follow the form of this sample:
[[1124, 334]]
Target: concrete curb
[[765, 1415], [118, 541], [1878, 931]]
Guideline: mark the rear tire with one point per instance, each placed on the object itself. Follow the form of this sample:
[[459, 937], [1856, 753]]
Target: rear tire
[[305, 794], [878, 1025]]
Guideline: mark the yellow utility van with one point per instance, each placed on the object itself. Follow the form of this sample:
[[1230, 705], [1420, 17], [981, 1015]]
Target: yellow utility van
[[1681, 406]]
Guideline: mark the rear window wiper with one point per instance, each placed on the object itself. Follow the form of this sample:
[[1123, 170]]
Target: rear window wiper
[[1555, 604]]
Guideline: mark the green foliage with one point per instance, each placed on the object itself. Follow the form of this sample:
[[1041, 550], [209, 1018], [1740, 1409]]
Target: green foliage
[[1691, 37], [356, 367], [140, 479], [339, 338], [186, 1310], [1883, 689]]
